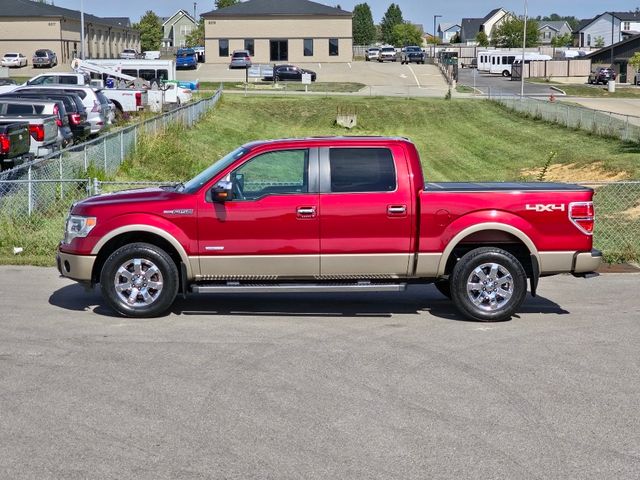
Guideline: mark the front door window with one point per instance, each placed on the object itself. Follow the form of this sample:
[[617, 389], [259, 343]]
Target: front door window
[[279, 50]]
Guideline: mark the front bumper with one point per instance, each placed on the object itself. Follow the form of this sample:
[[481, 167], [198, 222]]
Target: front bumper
[[586, 262], [75, 267]]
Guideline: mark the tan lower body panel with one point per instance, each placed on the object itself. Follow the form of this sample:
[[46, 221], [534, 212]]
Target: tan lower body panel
[[428, 265], [586, 262], [76, 267], [555, 262], [313, 266]]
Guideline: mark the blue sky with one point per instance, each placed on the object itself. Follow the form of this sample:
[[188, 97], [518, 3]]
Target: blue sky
[[416, 11]]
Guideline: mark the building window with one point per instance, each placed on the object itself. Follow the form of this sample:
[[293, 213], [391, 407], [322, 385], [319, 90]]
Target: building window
[[185, 29], [308, 47], [333, 47], [278, 50], [627, 26], [223, 47], [588, 39], [248, 45]]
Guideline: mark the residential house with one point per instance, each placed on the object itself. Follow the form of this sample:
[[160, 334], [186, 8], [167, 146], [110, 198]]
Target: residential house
[[26, 26], [551, 29], [618, 56], [470, 27], [606, 29], [446, 31], [279, 31], [176, 29]]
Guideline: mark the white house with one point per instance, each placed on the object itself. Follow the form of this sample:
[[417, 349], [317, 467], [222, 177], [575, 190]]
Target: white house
[[606, 29], [446, 31], [470, 27]]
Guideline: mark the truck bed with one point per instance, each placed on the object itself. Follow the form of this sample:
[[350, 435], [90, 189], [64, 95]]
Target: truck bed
[[502, 186]]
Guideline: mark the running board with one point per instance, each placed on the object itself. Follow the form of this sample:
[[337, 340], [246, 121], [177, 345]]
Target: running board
[[235, 287]]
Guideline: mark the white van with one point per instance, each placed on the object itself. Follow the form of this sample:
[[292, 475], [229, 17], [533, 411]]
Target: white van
[[501, 62]]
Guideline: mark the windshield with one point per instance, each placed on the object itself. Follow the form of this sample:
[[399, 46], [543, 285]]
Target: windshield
[[11, 55], [199, 180], [413, 49]]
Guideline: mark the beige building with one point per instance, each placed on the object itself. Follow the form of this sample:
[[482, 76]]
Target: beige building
[[27, 26], [282, 31]]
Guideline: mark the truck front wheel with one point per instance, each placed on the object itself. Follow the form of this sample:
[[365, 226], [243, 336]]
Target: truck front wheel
[[139, 280], [488, 284]]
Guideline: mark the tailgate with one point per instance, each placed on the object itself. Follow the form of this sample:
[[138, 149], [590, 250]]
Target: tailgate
[[19, 139], [50, 130]]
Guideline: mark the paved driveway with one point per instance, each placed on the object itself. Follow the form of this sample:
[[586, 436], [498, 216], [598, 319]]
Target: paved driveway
[[496, 84], [311, 386]]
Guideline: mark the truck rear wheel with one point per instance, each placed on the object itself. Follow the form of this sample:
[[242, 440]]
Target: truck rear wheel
[[139, 280], [488, 284]]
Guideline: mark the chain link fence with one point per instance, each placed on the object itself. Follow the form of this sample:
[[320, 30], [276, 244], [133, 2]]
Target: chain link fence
[[598, 122]]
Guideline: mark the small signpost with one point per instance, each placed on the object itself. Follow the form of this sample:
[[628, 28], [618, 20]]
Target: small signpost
[[306, 81]]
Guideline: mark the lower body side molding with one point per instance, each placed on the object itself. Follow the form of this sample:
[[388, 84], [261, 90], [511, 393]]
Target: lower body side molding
[[236, 287]]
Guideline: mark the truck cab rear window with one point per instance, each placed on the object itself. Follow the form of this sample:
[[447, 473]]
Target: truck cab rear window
[[362, 170]]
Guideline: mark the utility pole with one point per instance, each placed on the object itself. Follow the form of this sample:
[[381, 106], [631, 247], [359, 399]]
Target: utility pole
[[524, 50], [195, 6], [82, 29], [435, 42]]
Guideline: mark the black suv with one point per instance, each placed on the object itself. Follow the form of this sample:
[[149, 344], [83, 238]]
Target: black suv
[[412, 54], [44, 58], [602, 75]]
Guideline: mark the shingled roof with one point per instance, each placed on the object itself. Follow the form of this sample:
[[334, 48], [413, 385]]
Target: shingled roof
[[28, 8], [265, 8]]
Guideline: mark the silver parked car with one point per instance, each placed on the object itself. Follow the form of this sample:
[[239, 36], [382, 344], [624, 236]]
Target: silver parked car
[[372, 54], [240, 59]]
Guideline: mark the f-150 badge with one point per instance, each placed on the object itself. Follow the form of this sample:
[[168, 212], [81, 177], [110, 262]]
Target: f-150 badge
[[545, 207]]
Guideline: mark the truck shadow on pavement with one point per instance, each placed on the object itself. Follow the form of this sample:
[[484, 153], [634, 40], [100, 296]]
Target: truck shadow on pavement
[[417, 299]]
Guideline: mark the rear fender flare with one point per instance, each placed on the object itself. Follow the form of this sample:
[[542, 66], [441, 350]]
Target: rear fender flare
[[480, 227]]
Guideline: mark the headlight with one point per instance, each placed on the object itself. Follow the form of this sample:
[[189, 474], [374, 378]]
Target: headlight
[[78, 226]]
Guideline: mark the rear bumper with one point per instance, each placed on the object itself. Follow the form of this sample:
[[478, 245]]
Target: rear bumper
[[75, 267], [586, 262]]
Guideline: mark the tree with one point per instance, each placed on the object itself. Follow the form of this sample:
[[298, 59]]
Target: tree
[[224, 3], [635, 62], [406, 34], [509, 33], [599, 42], [392, 17], [456, 38], [364, 31], [482, 39], [196, 37], [562, 40], [151, 32]]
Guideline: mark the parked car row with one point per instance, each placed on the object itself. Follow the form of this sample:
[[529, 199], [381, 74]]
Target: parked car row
[[406, 55], [41, 58]]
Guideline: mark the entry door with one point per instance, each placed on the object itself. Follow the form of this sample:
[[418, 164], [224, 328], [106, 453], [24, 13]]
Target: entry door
[[366, 212], [279, 50], [271, 226]]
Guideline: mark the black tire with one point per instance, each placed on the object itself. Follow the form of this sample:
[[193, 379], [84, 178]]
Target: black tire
[[485, 302], [166, 278], [505, 73], [444, 287]]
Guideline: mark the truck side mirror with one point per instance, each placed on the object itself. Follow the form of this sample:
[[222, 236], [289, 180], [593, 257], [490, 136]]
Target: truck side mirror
[[222, 191]]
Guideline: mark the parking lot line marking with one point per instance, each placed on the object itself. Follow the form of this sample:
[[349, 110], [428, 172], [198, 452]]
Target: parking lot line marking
[[414, 75]]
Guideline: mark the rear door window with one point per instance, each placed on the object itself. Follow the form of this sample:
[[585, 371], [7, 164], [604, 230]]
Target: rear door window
[[362, 170]]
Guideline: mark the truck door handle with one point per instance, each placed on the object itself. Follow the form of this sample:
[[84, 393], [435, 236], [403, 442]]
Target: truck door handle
[[306, 212], [397, 210]]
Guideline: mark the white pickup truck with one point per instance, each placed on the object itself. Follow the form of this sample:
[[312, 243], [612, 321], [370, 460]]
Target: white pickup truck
[[125, 99]]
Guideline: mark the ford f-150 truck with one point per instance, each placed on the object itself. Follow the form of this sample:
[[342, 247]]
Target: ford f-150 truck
[[328, 215], [14, 144]]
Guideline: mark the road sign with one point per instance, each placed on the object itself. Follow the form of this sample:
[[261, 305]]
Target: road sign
[[306, 79]]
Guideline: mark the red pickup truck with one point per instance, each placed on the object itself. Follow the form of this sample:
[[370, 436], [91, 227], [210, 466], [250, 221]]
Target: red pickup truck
[[328, 215]]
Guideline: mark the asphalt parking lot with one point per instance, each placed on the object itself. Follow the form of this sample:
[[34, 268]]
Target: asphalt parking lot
[[389, 386], [497, 84]]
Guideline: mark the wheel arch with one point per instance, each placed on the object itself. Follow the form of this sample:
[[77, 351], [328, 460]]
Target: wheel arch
[[139, 233], [487, 234]]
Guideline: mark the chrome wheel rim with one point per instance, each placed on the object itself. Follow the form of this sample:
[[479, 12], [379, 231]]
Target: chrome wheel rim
[[138, 282], [490, 287]]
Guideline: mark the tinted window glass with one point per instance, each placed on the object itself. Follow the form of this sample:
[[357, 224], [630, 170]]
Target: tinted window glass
[[333, 47], [272, 173], [147, 74], [223, 47], [130, 72], [17, 109], [68, 80], [308, 47], [362, 170], [248, 45], [162, 74]]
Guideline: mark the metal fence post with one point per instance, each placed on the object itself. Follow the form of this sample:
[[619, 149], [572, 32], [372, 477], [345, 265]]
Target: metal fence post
[[104, 150], [30, 192], [135, 138], [60, 170], [121, 146], [96, 186], [85, 157]]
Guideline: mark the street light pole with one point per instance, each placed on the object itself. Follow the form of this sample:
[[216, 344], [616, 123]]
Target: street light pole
[[434, 35], [524, 50], [82, 29]]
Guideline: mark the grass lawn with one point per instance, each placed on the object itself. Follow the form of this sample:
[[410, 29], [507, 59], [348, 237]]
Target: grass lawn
[[457, 139]]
